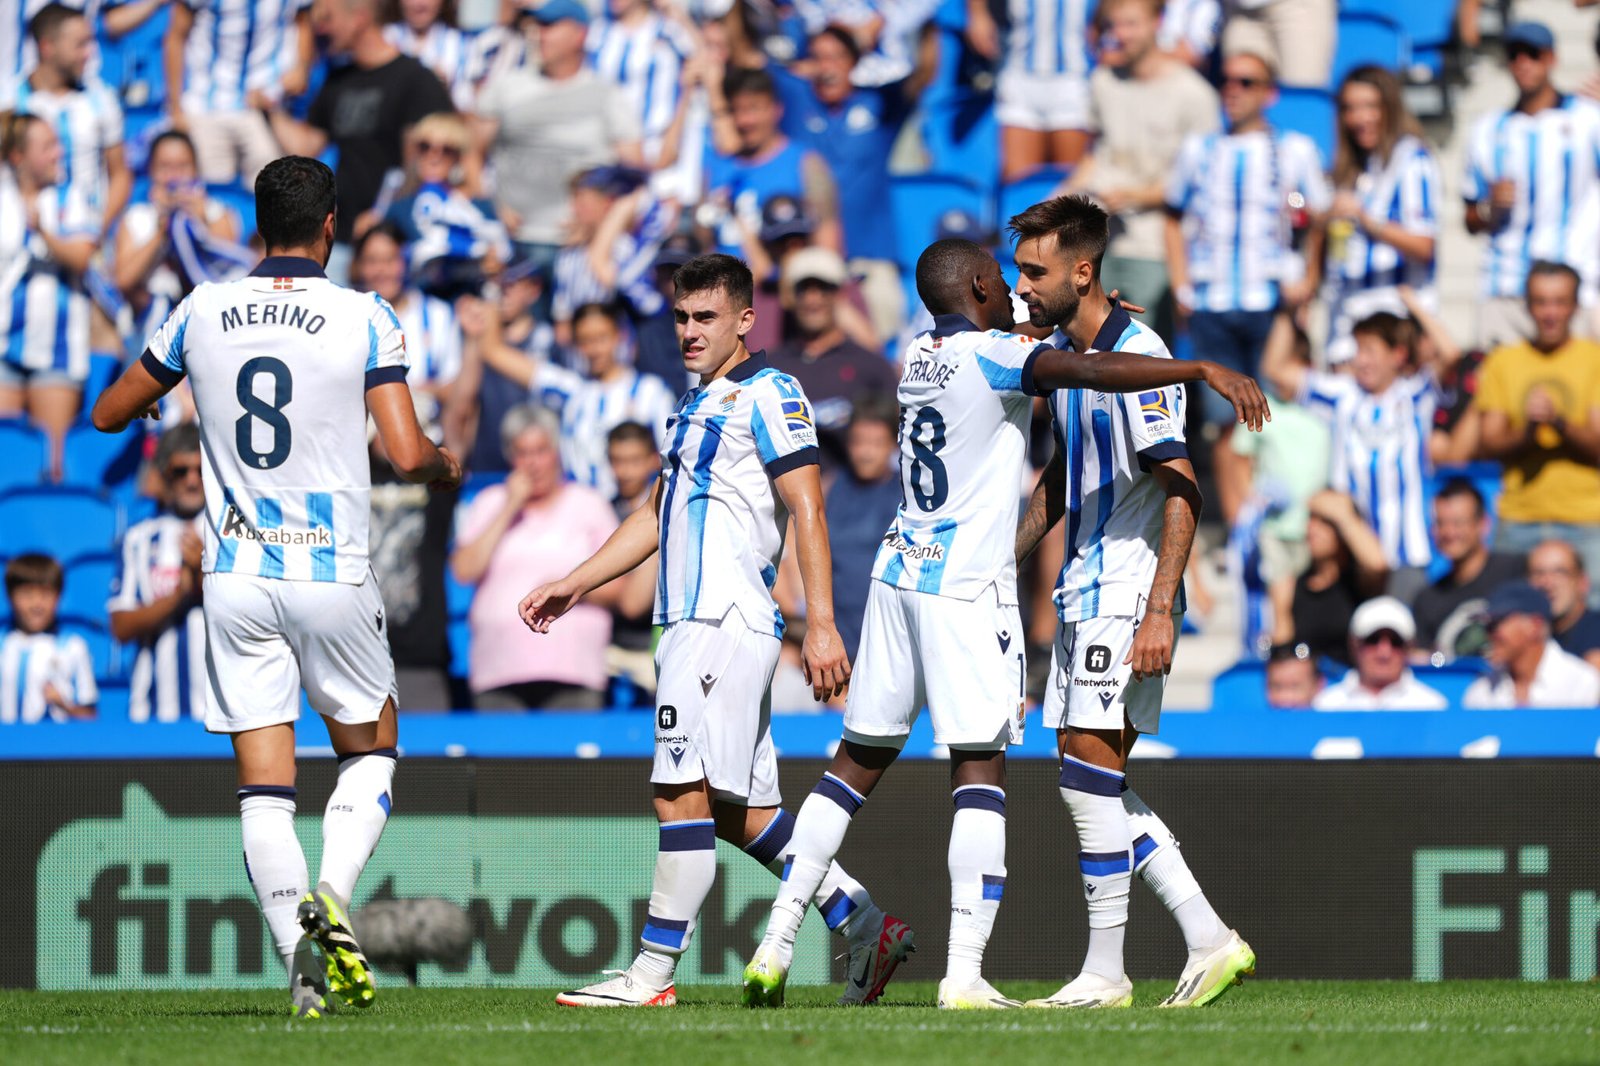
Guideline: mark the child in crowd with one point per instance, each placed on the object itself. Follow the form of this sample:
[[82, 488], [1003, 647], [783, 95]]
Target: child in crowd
[[43, 673]]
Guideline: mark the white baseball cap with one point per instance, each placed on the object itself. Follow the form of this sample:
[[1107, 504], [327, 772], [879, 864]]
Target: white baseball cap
[[1384, 612]]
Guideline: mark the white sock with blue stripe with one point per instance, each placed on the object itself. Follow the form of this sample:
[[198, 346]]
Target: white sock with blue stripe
[[844, 903], [686, 865], [818, 833], [1157, 859], [977, 877], [1094, 796], [273, 860], [354, 820]]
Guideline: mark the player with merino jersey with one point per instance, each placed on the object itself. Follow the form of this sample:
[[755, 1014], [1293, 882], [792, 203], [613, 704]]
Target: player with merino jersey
[[285, 367], [945, 581]]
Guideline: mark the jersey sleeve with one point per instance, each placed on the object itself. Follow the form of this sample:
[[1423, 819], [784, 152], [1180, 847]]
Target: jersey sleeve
[[1155, 424], [1322, 391], [1181, 183], [784, 425], [124, 587], [81, 672], [165, 355], [1420, 183], [386, 344], [1006, 360], [1479, 170]]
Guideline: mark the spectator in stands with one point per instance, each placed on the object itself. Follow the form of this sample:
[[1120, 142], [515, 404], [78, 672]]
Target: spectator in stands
[[1523, 192], [1298, 36], [225, 65], [1293, 679], [1381, 414], [1455, 419], [156, 601], [44, 673], [635, 459], [86, 112], [1230, 234], [1384, 215], [46, 242], [616, 227], [1381, 632], [833, 370], [363, 110], [533, 528], [426, 31], [543, 127], [641, 50], [1347, 567], [1556, 570], [522, 287], [760, 163], [1144, 103], [1529, 667], [1041, 96], [861, 504], [1540, 419], [1447, 611], [786, 230]]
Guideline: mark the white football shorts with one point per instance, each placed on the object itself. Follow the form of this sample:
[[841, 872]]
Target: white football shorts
[[1090, 686], [962, 658], [1043, 102], [267, 638], [714, 709]]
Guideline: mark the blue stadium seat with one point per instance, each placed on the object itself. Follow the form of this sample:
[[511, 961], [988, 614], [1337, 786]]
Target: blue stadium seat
[[88, 585], [1022, 194], [94, 460], [1369, 39], [61, 521], [457, 597], [460, 637], [1308, 111], [919, 200], [243, 203], [113, 705], [27, 453], [103, 370], [1428, 24]]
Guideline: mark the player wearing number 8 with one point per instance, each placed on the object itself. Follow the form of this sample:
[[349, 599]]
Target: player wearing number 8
[[285, 367]]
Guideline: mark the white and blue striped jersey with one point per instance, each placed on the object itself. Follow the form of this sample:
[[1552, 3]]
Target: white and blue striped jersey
[[444, 50], [29, 662], [44, 310], [1196, 23], [1048, 37], [1232, 190], [1554, 159], [88, 121], [280, 363], [493, 51], [591, 409], [433, 339], [646, 60], [235, 46], [634, 257], [169, 673], [722, 520], [1404, 191], [1114, 506], [1380, 456], [964, 417]]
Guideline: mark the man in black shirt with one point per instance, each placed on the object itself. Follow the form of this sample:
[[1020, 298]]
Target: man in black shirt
[[1447, 611], [1556, 569]]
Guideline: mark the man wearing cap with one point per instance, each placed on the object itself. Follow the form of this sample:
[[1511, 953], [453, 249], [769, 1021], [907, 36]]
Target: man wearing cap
[[1532, 186], [1529, 667], [1381, 632]]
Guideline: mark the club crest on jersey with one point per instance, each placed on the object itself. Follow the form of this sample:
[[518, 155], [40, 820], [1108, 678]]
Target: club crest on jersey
[[729, 400], [1155, 407]]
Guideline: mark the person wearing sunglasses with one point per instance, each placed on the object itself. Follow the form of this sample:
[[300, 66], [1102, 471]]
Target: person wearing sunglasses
[[1381, 632], [1532, 187]]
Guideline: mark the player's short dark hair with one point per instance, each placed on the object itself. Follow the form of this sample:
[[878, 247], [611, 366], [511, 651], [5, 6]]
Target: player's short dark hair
[[606, 309], [945, 270], [49, 20], [293, 197], [1458, 488], [1549, 268], [744, 81], [716, 272], [1081, 227], [630, 433], [1391, 329], [878, 407], [179, 440], [33, 568], [845, 38]]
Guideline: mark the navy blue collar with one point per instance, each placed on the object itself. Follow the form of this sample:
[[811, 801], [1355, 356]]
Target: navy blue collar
[[749, 368], [950, 325], [287, 266], [1111, 331]]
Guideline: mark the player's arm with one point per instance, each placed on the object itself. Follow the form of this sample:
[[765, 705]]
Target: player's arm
[[414, 457], [822, 656], [1151, 654], [631, 544], [1045, 507], [134, 395], [1050, 369]]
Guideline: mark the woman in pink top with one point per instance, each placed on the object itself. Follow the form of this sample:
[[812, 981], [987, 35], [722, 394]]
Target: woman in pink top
[[534, 528]]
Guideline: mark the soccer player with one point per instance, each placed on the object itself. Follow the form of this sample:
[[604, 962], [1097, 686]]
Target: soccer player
[[285, 367], [741, 458], [946, 579], [1122, 476]]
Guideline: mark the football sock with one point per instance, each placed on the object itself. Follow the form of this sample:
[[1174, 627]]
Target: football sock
[[846, 906], [273, 860], [977, 876], [1093, 795], [354, 820], [1157, 859], [686, 865], [818, 832]]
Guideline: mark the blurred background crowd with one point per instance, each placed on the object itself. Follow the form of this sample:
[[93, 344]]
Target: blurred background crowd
[[1388, 212]]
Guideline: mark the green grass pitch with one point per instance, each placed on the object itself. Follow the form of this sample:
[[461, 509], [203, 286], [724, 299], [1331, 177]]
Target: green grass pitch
[[1363, 1023]]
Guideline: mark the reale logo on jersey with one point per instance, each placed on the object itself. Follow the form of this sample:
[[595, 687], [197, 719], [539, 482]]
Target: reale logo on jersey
[[797, 416], [1155, 407], [1097, 659]]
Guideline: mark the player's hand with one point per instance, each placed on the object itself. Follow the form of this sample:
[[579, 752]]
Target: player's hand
[[826, 666], [548, 602], [1131, 308], [1151, 654], [153, 412], [1241, 390], [452, 475]]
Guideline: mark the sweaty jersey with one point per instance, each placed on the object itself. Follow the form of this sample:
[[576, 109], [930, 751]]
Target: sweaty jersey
[[722, 520], [1114, 506], [964, 413], [280, 363]]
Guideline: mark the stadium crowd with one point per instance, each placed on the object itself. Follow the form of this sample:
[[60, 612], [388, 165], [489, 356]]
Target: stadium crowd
[[519, 180]]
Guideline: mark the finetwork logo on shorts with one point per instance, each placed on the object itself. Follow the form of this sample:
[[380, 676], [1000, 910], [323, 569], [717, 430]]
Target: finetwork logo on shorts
[[236, 527]]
